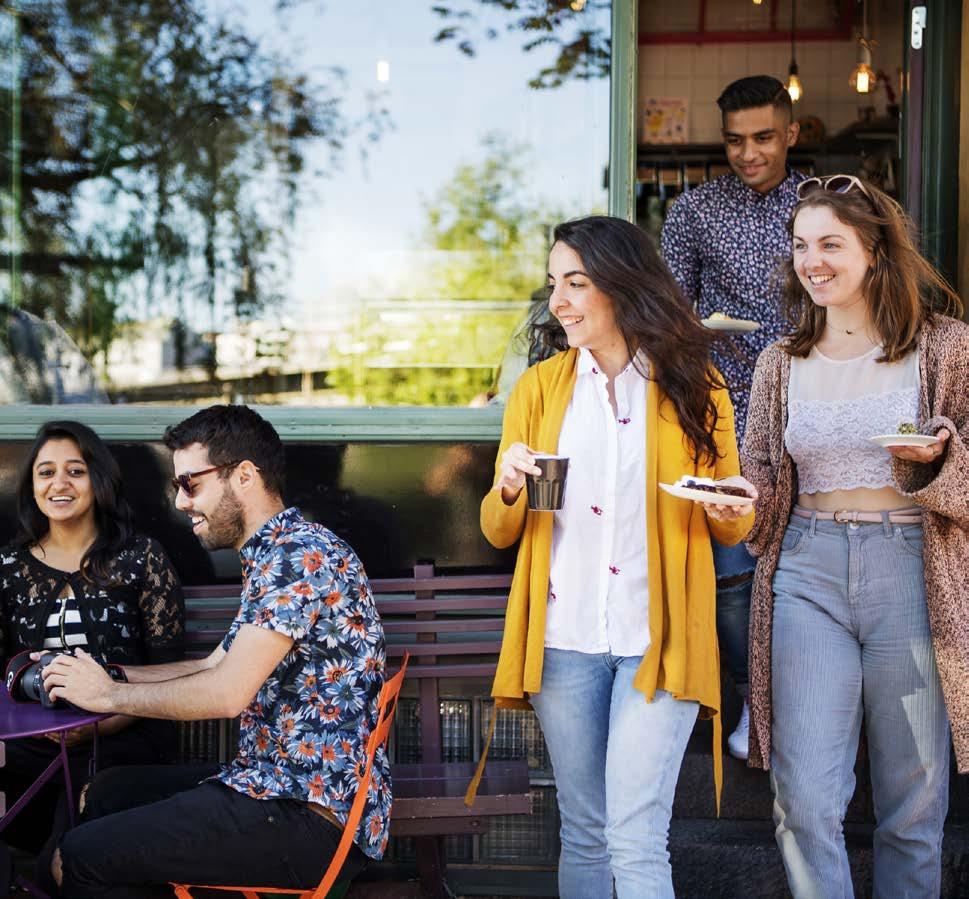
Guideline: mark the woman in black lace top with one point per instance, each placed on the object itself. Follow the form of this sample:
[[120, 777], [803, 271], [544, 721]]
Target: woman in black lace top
[[77, 575]]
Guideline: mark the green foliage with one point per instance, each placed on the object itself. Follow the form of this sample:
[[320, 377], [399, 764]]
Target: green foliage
[[583, 50], [158, 140], [441, 346], [493, 241]]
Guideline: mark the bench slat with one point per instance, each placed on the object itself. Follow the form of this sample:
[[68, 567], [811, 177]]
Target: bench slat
[[437, 827], [451, 779], [490, 647], [422, 672], [444, 626], [454, 807], [388, 606]]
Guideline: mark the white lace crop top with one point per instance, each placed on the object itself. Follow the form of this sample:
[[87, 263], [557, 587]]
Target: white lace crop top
[[834, 406]]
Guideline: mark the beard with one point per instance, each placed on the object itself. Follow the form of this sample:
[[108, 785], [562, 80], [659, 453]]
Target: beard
[[226, 524]]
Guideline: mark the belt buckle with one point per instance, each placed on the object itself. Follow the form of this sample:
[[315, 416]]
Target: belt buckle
[[848, 519]]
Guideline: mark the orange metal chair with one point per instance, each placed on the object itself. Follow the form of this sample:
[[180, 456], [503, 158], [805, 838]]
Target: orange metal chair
[[387, 706]]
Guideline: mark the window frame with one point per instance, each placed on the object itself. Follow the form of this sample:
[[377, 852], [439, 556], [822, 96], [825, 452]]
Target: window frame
[[300, 424]]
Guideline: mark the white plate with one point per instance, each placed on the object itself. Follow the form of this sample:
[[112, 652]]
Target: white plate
[[887, 440], [705, 496], [730, 324]]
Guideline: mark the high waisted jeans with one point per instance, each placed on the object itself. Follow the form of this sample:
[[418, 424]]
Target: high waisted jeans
[[616, 758], [850, 640]]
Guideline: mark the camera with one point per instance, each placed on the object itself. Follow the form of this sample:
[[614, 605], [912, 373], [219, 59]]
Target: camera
[[32, 683], [25, 678]]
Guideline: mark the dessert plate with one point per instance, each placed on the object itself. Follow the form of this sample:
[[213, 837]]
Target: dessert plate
[[730, 324], [887, 440], [704, 496]]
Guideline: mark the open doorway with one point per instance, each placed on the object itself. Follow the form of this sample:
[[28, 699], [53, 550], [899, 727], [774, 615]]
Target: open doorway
[[849, 56]]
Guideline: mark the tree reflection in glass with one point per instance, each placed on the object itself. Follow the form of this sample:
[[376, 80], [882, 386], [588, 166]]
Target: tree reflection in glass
[[223, 199]]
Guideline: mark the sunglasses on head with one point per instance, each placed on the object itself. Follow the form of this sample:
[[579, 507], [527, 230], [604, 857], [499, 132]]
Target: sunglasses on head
[[184, 483], [838, 184]]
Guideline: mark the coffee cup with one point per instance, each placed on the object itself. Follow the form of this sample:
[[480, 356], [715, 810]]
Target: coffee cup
[[546, 492]]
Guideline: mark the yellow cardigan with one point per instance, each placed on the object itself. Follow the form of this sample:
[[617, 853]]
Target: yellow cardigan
[[683, 656]]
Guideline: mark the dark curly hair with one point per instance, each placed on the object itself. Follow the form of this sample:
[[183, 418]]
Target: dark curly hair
[[652, 314], [232, 433]]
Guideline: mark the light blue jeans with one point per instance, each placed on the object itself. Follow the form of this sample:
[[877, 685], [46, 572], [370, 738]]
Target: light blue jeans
[[850, 640], [616, 758]]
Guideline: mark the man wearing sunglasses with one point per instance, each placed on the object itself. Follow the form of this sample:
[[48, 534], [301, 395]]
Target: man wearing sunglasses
[[303, 663], [722, 241]]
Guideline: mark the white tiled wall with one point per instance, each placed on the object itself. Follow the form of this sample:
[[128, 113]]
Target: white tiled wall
[[701, 72]]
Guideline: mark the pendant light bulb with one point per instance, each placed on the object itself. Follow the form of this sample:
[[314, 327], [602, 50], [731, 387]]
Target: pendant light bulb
[[794, 86], [863, 77]]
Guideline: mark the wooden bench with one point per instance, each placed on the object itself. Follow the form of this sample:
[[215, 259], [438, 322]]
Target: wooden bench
[[451, 625]]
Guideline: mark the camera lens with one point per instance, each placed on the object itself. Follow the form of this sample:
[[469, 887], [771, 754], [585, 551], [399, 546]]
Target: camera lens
[[32, 682]]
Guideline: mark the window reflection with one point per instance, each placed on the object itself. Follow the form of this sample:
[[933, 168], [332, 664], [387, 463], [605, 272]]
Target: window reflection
[[294, 202]]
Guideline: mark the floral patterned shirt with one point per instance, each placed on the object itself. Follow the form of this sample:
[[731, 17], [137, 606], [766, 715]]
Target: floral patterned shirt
[[304, 735], [722, 241]]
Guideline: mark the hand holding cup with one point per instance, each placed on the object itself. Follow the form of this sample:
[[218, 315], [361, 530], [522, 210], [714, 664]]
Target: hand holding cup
[[516, 462]]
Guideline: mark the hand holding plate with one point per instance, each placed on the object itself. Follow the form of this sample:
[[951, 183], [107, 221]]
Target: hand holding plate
[[722, 512], [925, 454]]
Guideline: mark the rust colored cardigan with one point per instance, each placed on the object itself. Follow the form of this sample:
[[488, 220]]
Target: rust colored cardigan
[[941, 489]]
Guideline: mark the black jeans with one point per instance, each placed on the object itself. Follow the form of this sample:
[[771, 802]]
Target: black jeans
[[39, 825], [145, 826], [143, 743]]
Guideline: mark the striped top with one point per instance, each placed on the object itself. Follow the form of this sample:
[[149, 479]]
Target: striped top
[[64, 626]]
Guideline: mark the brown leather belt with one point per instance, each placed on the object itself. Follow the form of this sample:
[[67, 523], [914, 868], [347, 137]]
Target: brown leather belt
[[898, 516], [324, 812]]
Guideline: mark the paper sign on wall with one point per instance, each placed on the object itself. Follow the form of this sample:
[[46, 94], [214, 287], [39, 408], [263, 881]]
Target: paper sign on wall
[[665, 120]]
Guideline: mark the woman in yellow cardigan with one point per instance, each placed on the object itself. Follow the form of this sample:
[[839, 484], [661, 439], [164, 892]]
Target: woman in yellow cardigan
[[610, 632]]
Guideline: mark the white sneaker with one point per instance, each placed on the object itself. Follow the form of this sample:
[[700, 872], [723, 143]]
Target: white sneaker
[[738, 741]]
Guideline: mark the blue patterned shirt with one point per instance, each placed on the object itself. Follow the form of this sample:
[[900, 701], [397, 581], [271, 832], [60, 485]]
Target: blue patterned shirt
[[722, 242], [304, 735]]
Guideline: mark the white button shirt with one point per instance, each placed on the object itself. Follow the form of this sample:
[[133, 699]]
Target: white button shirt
[[598, 599]]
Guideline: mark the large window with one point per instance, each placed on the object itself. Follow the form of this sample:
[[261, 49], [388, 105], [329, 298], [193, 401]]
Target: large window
[[287, 201]]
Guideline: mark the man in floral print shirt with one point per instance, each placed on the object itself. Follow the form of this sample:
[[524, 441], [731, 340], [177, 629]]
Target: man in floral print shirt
[[302, 664], [722, 242]]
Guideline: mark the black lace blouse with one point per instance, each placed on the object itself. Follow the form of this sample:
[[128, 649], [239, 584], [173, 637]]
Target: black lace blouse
[[137, 619]]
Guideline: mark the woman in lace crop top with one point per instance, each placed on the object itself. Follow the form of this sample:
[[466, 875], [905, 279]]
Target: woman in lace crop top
[[849, 616], [78, 576]]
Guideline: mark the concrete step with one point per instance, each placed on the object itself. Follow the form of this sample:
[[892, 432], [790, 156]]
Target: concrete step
[[739, 860]]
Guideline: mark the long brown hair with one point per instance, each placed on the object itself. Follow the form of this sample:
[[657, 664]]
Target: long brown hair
[[652, 314], [902, 288]]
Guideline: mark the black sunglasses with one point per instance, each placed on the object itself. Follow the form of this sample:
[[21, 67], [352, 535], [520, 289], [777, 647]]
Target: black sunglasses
[[184, 483]]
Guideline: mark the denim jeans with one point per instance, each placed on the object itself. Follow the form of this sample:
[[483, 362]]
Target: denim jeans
[[616, 758], [733, 609], [851, 641], [146, 825]]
